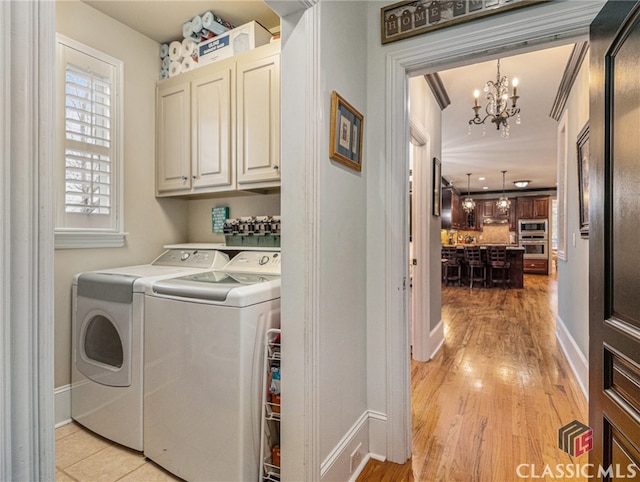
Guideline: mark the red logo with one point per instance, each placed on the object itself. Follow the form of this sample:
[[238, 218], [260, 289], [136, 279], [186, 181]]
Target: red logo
[[575, 438]]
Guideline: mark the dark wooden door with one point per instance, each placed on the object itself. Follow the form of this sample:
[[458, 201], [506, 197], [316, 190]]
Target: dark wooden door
[[614, 262]]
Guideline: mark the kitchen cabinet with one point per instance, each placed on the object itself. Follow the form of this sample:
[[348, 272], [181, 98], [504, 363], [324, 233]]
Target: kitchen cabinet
[[451, 209], [218, 126], [489, 210], [536, 266], [533, 207]]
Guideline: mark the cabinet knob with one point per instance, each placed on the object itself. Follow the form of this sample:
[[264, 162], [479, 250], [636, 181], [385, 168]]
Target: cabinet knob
[[193, 177], [184, 178], [275, 167]]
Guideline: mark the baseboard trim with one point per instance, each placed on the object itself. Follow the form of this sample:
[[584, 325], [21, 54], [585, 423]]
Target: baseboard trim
[[577, 361], [62, 404], [436, 339], [336, 465]]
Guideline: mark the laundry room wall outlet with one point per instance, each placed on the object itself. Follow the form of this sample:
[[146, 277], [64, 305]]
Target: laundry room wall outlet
[[218, 217]]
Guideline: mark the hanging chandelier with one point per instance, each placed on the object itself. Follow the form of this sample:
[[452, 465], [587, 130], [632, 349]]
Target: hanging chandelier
[[497, 108], [503, 203], [468, 204]]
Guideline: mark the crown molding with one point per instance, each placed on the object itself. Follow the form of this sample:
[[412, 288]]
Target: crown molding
[[569, 77], [439, 92]]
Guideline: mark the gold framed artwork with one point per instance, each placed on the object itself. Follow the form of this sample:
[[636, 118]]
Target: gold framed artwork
[[414, 17], [347, 124]]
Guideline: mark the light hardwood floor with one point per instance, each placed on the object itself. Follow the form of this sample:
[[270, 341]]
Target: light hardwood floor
[[495, 395]]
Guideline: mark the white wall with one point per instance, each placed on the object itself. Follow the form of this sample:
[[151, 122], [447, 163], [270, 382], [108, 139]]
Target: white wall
[[573, 274], [150, 222], [343, 329], [324, 273], [423, 104]]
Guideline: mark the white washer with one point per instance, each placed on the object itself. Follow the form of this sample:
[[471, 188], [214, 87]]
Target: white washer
[[107, 341], [203, 364]]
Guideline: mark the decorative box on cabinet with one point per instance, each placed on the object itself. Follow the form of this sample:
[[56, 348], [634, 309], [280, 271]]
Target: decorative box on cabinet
[[218, 126]]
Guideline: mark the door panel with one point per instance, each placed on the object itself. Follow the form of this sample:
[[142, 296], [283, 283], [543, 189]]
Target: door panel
[[614, 346]]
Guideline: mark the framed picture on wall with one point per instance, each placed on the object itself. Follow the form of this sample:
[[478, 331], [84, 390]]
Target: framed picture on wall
[[437, 183], [583, 179], [347, 127]]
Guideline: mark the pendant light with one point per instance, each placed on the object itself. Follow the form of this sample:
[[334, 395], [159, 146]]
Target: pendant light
[[503, 203], [468, 204]]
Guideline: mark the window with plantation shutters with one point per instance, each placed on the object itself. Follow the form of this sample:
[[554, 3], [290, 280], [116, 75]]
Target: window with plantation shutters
[[87, 142], [89, 171]]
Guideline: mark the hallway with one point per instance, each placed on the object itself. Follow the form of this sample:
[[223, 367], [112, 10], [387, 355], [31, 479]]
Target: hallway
[[495, 395]]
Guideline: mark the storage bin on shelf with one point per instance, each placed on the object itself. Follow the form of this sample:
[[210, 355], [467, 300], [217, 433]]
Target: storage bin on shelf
[[258, 231]]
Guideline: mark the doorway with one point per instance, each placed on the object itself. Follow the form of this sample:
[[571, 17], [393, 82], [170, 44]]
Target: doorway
[[556, 25]]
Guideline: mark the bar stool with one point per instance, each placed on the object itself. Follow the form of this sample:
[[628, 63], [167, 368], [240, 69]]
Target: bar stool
[[451, 267], [499, 264], [473, 258]]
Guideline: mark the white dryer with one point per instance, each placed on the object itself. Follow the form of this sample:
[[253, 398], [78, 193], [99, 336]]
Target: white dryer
[[203, 364], [107, 341]]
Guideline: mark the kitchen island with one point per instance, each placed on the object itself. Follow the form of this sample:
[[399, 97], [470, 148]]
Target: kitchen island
[[515, 256]]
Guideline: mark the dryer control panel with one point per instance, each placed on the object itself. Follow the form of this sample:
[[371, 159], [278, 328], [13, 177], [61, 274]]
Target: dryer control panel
[[255, 262], [192, 258]]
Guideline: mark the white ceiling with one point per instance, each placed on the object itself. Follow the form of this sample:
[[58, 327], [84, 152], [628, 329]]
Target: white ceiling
[[161, 20], [530, 151]]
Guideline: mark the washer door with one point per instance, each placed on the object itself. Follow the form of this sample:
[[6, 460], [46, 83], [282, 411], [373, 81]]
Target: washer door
[[102, 339], [103, 351]]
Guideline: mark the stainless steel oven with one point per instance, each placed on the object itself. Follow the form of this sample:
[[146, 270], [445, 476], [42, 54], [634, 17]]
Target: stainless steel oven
[[531, 227], [535, 249]]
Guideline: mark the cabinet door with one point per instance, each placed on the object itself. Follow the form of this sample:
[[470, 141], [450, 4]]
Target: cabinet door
[[258, 121], [173, 135], [212, 157], [488, 208], [456, 209], [525, 208], [541, 208]]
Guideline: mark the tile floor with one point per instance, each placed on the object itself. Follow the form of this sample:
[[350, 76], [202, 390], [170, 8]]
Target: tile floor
[[82, 456]]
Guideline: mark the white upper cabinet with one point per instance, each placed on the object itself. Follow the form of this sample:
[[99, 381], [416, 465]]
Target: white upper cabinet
[[258, 129], [172, 137], [219, 126], [211, 121]]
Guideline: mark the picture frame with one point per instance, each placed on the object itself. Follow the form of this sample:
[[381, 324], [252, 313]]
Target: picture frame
[[583, 179], [437, 184], [346, 132], [409, 18]]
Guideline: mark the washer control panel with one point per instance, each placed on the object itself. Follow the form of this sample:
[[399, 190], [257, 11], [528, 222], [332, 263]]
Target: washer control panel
[[256, 262], [192, 258]]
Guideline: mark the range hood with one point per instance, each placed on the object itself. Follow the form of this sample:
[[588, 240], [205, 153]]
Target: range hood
[[495, 221]]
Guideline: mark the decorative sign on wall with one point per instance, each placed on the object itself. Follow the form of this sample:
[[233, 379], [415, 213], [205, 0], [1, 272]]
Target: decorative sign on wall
[[414, 17], [218, 217]]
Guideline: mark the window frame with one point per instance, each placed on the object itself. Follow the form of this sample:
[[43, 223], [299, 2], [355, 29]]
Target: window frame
[[75, 237]]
